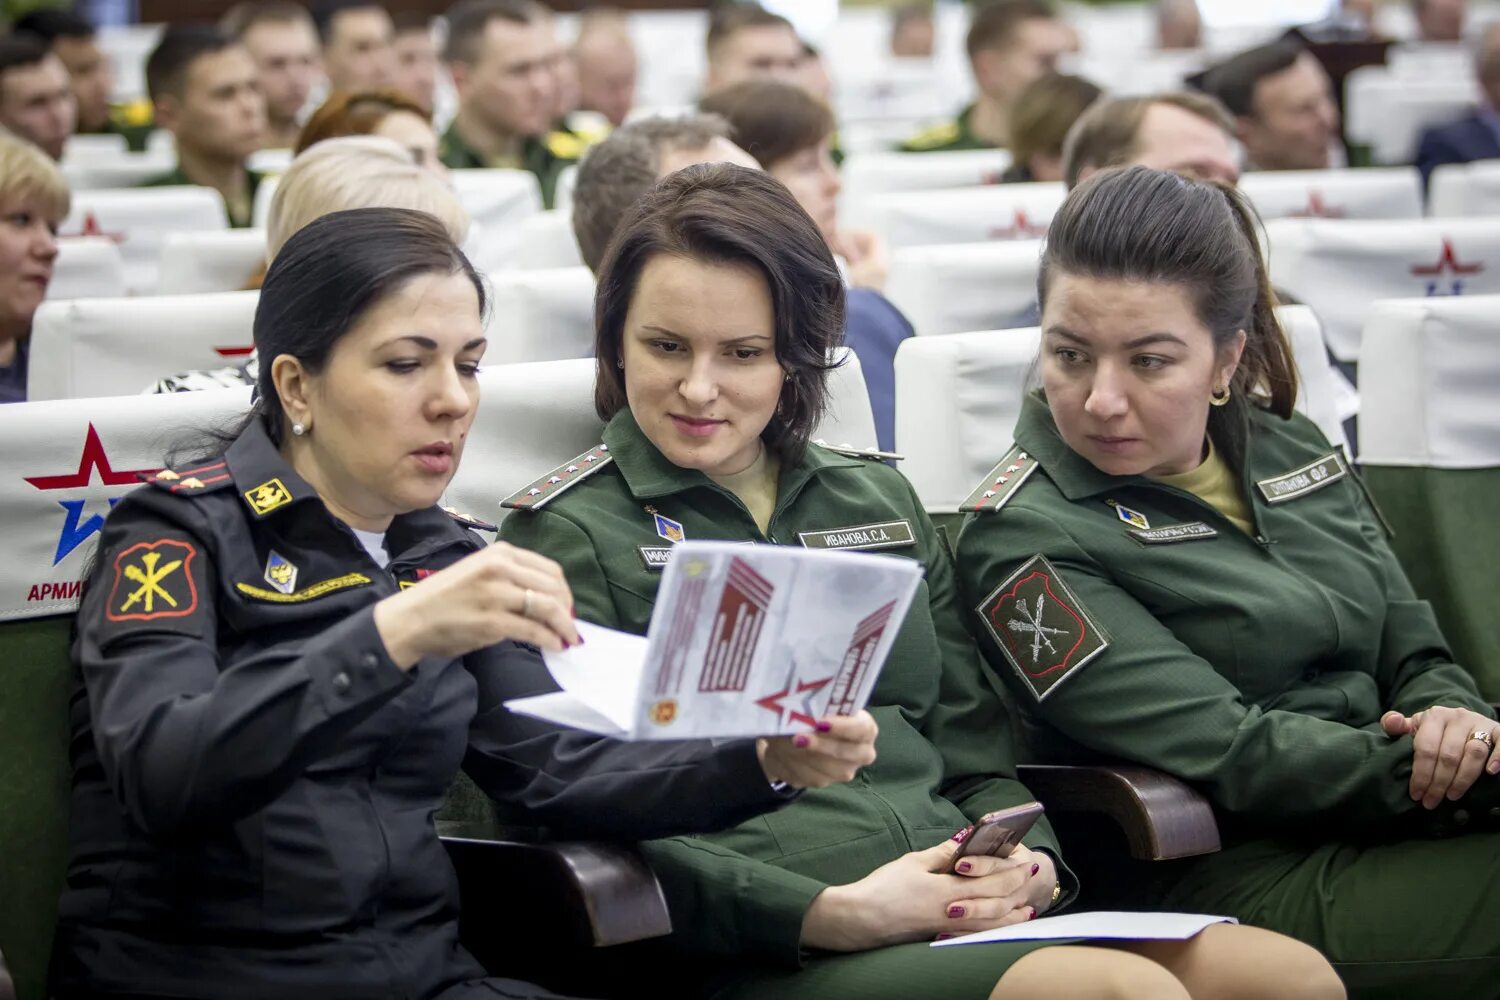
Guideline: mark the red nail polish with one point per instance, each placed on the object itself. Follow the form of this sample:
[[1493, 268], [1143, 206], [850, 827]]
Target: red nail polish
[[955, 911], [1033, 913], [1035, 869], [800, 741], [944, 937], [962, 835], [824, 727], [964, 866]]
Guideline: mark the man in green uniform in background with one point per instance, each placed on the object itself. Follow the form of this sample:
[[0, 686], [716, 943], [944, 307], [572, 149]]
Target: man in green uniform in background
[[73, 39], [204, 86], [1010, 44], [503, 56]]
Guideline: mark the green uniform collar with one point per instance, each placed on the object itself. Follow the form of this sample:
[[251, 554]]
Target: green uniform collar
[[176, 178], [536, 156], [650, 475]]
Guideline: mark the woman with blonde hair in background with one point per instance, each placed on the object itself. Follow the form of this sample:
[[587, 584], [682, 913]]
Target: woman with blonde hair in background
[[34, 200]]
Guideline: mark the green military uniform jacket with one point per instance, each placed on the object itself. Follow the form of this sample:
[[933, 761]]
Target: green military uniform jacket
[[956, 134], [546, 157], [1255, 667], [132, 120], [176, 178], [945, 758]]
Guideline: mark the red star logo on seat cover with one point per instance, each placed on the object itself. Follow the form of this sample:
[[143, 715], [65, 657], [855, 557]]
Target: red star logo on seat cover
[[1021, 228], [1317, 208], [93, 459], [91, 228], [1447, 261]]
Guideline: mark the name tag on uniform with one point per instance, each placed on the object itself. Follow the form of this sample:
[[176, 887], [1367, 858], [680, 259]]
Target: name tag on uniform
[[886, 535], [1300, 482], [1168, 533], [654, 557]]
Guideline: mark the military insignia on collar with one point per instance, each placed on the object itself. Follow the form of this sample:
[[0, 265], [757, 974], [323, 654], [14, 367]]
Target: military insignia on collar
[[280, 573], [564, 477], [268, 496], [1299, 482], [1040, 626], [666, 527], [1002, 482], [1134, 518]]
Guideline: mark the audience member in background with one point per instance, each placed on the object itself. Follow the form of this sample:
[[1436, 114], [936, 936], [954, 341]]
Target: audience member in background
[[1282, 100], [1185, 132], [1044, 113], [503, 57], [1477, 135], [75, 41], [1440, 20], [788, 131], [416, 59], [357, 38], [1229, 609], [352, 171], [627, 164], [36, 97], [282, 39], [1010, 44], [607, 64], [33, 203], [390, 114], [913, 34], [1179, 25], [747, 42], [203, 84]]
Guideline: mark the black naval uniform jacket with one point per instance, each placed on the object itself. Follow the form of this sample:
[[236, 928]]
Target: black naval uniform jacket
[[254, 781]]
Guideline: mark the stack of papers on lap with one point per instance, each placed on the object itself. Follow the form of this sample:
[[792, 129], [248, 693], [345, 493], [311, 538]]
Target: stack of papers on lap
[[745, 640], [1108, 925]]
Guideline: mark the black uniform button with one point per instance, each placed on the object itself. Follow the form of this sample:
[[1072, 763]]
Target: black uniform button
[[1495, 813], [341, 682], [369, 661], [1461, 817]]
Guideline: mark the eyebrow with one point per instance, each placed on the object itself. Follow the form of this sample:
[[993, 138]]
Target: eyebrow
[[428, 344], [652, 328], [1130, 345]]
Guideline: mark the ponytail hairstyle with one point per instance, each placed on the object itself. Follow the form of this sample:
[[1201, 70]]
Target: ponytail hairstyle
[[1139, 224]]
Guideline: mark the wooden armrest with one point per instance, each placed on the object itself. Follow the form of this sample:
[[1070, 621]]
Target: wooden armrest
[[592, 894], [1161, 817]]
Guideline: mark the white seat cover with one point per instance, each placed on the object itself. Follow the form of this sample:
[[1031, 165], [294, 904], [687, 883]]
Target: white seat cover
[[110, 347], [126, 170], [1428, 381], [1372, 193], [210, 262], [546, 240], [1388, 112], [966, 215], [497, 201], [139, 221], [965, 286], [534, 417], [87, 267], [1465, 189], [64, 462], [544, 315], [866, 175], [1341, 267]]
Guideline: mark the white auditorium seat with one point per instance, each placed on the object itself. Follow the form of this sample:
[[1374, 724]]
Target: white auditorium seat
[[497, 202], [533, 417], [210, 262], [139, 221], [567, 181], [270, 161], [965, 286], [125, 170], [1388, 112], [965, 215], [112, 347], [958, 398], [546, 240], [1460, 190], [1341, 267], [83, 149], [64, 461], [865, 175], [1371, 193], [87, 267], [541, 315]]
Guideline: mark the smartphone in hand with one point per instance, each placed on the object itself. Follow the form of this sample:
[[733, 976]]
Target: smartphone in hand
[[998, 833]]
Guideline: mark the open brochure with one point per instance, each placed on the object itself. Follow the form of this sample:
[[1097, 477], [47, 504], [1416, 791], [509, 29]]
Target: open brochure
[[1107, 925], [746, 640]]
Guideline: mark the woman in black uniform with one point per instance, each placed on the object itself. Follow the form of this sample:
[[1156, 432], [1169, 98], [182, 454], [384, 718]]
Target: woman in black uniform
[[287, 651]]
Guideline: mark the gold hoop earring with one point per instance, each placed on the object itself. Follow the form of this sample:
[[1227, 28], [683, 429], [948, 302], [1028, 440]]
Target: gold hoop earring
[[1219, 396]]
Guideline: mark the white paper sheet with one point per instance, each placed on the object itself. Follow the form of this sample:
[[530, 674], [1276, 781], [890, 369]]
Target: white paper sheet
[[1100, 924]]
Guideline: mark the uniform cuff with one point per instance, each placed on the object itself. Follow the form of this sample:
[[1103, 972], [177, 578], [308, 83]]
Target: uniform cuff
[[349, 665]]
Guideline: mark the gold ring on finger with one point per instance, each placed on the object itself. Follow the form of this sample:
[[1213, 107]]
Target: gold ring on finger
[[1483, 736], [526, 600]]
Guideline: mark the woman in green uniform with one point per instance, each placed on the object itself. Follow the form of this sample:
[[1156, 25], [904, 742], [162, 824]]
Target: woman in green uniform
[[718, 305], [1174, 568]]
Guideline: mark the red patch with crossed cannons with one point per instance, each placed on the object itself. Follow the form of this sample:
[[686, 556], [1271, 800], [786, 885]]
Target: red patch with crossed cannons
[[1040, 626], [153, 580]]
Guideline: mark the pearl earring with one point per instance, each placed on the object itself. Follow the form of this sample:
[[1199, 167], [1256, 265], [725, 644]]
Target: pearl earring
[[299, 429]]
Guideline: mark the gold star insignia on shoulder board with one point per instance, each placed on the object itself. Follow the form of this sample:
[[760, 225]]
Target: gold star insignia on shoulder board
[[1002, 482], [850, 451], [537, 494], [469, 522], [167, 476]]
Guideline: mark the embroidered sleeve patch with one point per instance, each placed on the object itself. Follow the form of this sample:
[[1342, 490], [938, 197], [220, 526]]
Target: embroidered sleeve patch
[[1041, 626], [153, 580]]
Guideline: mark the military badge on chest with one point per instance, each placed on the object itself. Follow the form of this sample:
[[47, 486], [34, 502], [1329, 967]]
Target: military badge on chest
[[654, 557], [1040, 626], [280, 573]]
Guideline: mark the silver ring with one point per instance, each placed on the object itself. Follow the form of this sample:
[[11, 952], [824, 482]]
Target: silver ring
[[1483, 736], [526, 604]]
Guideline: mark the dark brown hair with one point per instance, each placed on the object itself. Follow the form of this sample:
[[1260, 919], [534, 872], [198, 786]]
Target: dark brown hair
[[1233, 82], [1139, 224], [731, 18], [468, 18], [770, 119], [355, 113], [995, 22], [1044, 111], [718, 213], [1105, 135]]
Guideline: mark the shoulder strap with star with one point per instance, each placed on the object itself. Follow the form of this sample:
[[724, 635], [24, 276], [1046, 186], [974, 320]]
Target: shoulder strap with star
[[849, 451], [934, 137], [204, 477], [469, 522], [1002, 482], [538, 494]]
